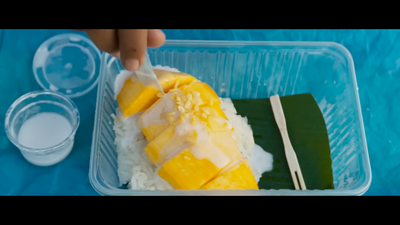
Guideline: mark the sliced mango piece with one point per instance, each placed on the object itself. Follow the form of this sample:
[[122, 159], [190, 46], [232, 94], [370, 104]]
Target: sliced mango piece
[[135, 97], [191, 168], [155, 119], [206, 106], [165, 145], [183, 133], [185, 171], [227, 144], [218, 124], [206, 92], [152, 131], [237, 176], [202, 160], [207, 95]]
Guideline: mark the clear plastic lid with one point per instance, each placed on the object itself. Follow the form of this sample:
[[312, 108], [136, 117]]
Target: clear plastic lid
[[68, 64]]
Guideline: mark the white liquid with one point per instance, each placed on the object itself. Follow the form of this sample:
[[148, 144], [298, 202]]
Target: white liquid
[[45, 130], [260, 160]]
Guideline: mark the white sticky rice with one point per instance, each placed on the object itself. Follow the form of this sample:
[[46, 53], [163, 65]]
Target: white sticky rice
[[135, 168]]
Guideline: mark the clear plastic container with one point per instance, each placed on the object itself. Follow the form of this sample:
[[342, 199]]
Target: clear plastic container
[[55, 127], [238, 70]]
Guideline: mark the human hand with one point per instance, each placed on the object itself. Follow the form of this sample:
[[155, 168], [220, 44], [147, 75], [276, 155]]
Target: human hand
[[128, 44]]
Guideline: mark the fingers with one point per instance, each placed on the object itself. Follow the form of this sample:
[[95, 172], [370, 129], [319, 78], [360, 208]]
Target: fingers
[[155, 38], [133, 44], [105, 39], [129, 45]]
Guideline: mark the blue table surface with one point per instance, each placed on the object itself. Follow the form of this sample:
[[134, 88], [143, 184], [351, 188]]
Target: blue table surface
[[376, 55]]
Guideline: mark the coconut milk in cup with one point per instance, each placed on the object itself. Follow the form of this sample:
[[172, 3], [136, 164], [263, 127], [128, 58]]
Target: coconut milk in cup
[[42, 125]]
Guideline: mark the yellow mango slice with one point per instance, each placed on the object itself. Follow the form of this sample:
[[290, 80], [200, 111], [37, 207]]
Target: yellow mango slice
[[190, 167], [152, 131], [207, 95], [165, 145], [181, 134], [209, 102], [135, 97], [206, 92], [218, 125], [154, 120], [237, 176], [185, 171], [225, 142]]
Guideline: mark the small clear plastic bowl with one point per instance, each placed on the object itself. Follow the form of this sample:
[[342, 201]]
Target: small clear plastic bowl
[[32, 104]]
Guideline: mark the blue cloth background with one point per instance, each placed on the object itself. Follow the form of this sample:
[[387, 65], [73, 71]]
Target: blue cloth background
[[376, 55]]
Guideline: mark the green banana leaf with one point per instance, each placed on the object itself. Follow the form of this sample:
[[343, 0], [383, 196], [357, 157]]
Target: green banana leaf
[[308, 135]]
